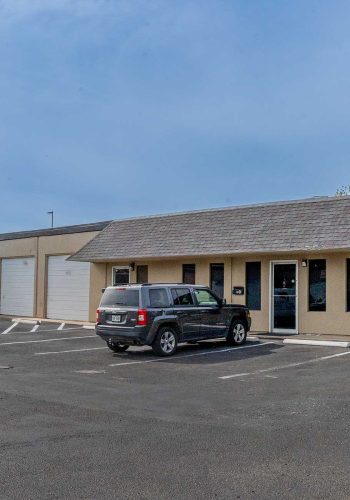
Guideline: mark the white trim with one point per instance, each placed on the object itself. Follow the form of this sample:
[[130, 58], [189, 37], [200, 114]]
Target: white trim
[[119, 267], [271, 304]]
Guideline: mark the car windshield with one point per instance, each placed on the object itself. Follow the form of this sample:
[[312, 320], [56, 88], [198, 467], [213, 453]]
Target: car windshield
[[120, 297]]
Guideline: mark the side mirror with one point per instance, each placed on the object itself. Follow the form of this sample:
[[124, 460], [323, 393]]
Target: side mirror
[[103, 290]]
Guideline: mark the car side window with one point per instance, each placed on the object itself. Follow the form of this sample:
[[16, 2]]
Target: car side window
[[182, 297], [205, 298], [158, 297]]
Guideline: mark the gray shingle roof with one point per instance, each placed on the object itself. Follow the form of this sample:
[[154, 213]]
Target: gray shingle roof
[[303, 225], [80, 228]]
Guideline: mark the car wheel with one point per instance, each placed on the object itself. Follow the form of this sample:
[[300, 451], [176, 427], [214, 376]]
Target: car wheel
[[165, 343], [237, 334], [117, 346]]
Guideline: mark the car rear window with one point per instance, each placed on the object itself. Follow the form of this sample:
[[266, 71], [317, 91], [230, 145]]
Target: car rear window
[[120, 297]]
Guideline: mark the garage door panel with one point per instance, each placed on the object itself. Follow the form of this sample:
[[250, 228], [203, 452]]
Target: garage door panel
[[17, 286], [68, 289]]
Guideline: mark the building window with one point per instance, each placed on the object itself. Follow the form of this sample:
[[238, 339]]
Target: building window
[[317, 285], [253, 285], [142, 274], [120, 276], [217, 279], [189, 274], [348, 285]]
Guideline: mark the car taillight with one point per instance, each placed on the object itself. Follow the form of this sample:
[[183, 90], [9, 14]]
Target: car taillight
[[98, 316], [142, 317]]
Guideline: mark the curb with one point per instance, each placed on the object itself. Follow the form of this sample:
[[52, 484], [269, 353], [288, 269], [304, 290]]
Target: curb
[[324, 343]]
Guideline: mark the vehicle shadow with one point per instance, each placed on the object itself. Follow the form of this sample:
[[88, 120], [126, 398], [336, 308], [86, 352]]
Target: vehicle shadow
[[212, 352]]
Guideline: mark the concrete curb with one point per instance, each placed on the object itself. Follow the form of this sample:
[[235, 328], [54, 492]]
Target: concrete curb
[[324, 343]]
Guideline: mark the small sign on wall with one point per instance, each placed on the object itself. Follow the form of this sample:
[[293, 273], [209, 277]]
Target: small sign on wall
[[238, 290]]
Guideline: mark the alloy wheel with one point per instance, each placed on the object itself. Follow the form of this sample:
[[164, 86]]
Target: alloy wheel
[[167, 342]]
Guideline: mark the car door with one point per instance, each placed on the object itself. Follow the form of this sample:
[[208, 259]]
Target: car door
[[187, 312], [213, 322]]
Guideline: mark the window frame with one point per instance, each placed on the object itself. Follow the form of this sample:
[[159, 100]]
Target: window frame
[[309, 285], [175, 289], [120, 267], [189, 266], [212, 264], [246, 285]]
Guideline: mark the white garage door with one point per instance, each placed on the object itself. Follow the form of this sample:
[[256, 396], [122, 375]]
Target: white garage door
[[17, 286], [68, 289]]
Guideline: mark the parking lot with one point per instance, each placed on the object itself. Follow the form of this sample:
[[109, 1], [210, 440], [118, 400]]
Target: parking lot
[[259, 421]]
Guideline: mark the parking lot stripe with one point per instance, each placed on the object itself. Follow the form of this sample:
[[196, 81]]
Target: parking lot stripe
[[215, 351], [34, 329], [281, 367], [8, 330], [61, 326], [47, 340], [71, 350]]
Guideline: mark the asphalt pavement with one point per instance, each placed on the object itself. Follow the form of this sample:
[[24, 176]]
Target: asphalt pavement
[[265, 421]]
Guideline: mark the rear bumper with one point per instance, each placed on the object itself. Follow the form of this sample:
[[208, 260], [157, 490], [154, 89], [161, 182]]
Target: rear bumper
[[137, 335]]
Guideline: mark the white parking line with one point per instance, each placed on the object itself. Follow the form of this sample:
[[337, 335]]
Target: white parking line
[[62, 325], [72, 350], [192, 355], [281, 367], [47, 340], [8, 330], [34, 329]]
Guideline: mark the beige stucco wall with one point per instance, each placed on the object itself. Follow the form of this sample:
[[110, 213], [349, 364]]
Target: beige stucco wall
[[41, 248], [335, 321]]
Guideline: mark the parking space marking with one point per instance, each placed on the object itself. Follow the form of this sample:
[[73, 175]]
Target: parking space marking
[[8, 330], [281, 367], [215, 351], [62, 325], [71, 350], [34, 329], [47, 340]]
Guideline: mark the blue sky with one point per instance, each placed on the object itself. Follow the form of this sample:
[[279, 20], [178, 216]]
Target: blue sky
[[115, 108]]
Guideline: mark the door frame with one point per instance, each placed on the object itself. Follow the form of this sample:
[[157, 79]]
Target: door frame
[[271, 305]]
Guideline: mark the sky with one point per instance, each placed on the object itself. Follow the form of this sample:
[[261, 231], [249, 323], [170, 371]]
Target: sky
[[118, 108]]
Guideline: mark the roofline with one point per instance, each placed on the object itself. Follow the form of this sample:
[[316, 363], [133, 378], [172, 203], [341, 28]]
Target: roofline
[[77, 228], [313, 199], [232, 254]]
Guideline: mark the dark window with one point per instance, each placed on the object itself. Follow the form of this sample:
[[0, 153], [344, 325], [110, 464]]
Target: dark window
[[253, 285], [142, 274], [205, 298], [120, 297], [317, 285], [121, 276], [189, 274], [348, 285], [217, 279], [182, 297], [158, 297]]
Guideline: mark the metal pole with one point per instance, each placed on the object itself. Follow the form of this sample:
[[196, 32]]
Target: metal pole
[[51, 213]]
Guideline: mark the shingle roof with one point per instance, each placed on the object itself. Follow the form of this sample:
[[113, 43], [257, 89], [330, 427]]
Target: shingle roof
[[80, 228], [303, 225]]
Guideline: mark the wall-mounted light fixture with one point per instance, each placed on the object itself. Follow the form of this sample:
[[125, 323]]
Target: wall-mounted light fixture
[[132, 266], [304, 263]]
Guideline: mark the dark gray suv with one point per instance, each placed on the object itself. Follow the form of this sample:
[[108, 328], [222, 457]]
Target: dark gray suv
[[162, 315]]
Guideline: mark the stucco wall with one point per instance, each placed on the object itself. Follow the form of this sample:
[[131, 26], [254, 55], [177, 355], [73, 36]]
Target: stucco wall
[[40, 248], [335, 321]]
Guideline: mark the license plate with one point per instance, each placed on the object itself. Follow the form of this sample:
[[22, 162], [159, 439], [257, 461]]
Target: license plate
[[116, 318]]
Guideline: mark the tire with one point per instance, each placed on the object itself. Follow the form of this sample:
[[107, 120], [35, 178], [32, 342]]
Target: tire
[[165, 343], [237, 334], [117, 346]]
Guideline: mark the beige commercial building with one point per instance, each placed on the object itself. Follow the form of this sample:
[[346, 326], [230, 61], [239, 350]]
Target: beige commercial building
[[288, 261]]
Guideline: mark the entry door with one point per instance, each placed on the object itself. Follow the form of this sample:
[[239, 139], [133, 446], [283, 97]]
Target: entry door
[[284, 300]]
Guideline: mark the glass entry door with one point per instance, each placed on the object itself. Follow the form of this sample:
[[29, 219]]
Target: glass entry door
[[284, 300]]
